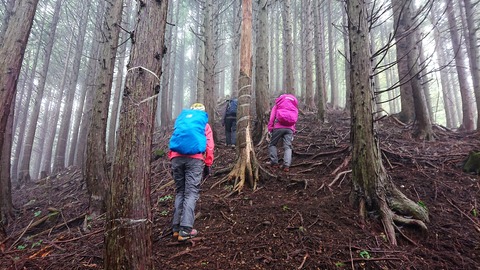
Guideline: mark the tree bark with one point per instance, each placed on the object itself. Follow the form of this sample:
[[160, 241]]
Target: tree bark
[[372, 188], [331, 59], [50, 117], [83, 118], [210, 61], [474, 54], [407, 113], [120, 76], [12, 51], [319, 64], [6, 17], [246, 168], [31, 130], [129, 219], [467, 118], [288, 73], [96, 168], [309, 58], [22, 112], [237, 22], [261, 72]]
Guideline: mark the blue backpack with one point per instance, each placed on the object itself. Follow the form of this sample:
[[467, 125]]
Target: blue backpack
[[232, 107], [188, 136]]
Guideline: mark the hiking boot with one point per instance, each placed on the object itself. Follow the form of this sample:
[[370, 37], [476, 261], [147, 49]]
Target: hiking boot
[[175, 236], [273, 165], [184, 236]]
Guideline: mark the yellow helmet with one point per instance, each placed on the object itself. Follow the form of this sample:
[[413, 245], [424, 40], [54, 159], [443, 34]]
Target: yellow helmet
[[198, 106]]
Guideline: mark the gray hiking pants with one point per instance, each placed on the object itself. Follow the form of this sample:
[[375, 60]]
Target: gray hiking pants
[[230, 130], [187, 173], [287, 135]]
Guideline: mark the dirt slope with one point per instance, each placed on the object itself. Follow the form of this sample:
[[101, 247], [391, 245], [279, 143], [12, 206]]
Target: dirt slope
[[297, 220]]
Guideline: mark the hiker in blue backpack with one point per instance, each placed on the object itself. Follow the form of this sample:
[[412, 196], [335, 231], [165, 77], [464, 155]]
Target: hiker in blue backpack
[[230, 122], [283, 117], [191, 154]]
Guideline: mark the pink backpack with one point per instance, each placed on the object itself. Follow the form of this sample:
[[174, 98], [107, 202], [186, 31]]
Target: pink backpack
[[287, 112]]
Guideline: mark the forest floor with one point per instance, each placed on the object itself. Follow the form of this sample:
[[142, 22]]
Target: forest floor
[[297, 220]]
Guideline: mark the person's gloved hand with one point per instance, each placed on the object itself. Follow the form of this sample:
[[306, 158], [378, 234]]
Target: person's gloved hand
[[206, 171]]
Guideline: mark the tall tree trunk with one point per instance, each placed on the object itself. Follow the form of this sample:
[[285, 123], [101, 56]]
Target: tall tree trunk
[[372, 188], [163, 103], [347, 63], [12, 51], [474, 54], [407, 113], [424, 79], [309, 58], [96, 171], [261, 72], [210, 62], [331, 59], [173, 62], [201, 56], [197, 44], [423, 128], [22, 111], [181, 82], [31, 130], [121, 68], [237, 22], [246, 169], [61, 149], [288, 72], [83, 118], [319, 66], [50, 117], [129, 219], [7, 14], [279, 67], [6, 205], [467, 120]]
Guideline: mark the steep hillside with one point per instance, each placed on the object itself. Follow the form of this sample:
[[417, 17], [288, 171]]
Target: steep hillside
[[296, 220]]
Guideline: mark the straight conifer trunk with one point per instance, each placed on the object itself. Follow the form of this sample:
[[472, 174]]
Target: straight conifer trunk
[[12, 51], [128, 231], [96, 174]]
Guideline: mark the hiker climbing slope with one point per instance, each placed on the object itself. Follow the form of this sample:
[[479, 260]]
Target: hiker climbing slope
[[283, 117], [191, 154]]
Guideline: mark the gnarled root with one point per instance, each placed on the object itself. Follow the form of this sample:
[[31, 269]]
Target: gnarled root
[[395, 210]]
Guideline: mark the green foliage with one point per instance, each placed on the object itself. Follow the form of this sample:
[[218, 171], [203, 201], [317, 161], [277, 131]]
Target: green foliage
[[285, 208], [165, 198], [164, 213], [158, 153], [21, 247], [364, 254], [339, 264], [37, 213], [38, 243], [474, 212], [422, 204]]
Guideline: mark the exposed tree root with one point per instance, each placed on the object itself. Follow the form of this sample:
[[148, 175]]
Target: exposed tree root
[[394, 210], [245, 170]]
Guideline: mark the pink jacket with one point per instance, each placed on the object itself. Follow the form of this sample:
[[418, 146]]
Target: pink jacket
[[273, 122], [207, 157]]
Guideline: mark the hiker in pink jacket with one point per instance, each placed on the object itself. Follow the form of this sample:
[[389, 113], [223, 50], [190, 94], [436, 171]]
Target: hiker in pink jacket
[[283, 117]]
